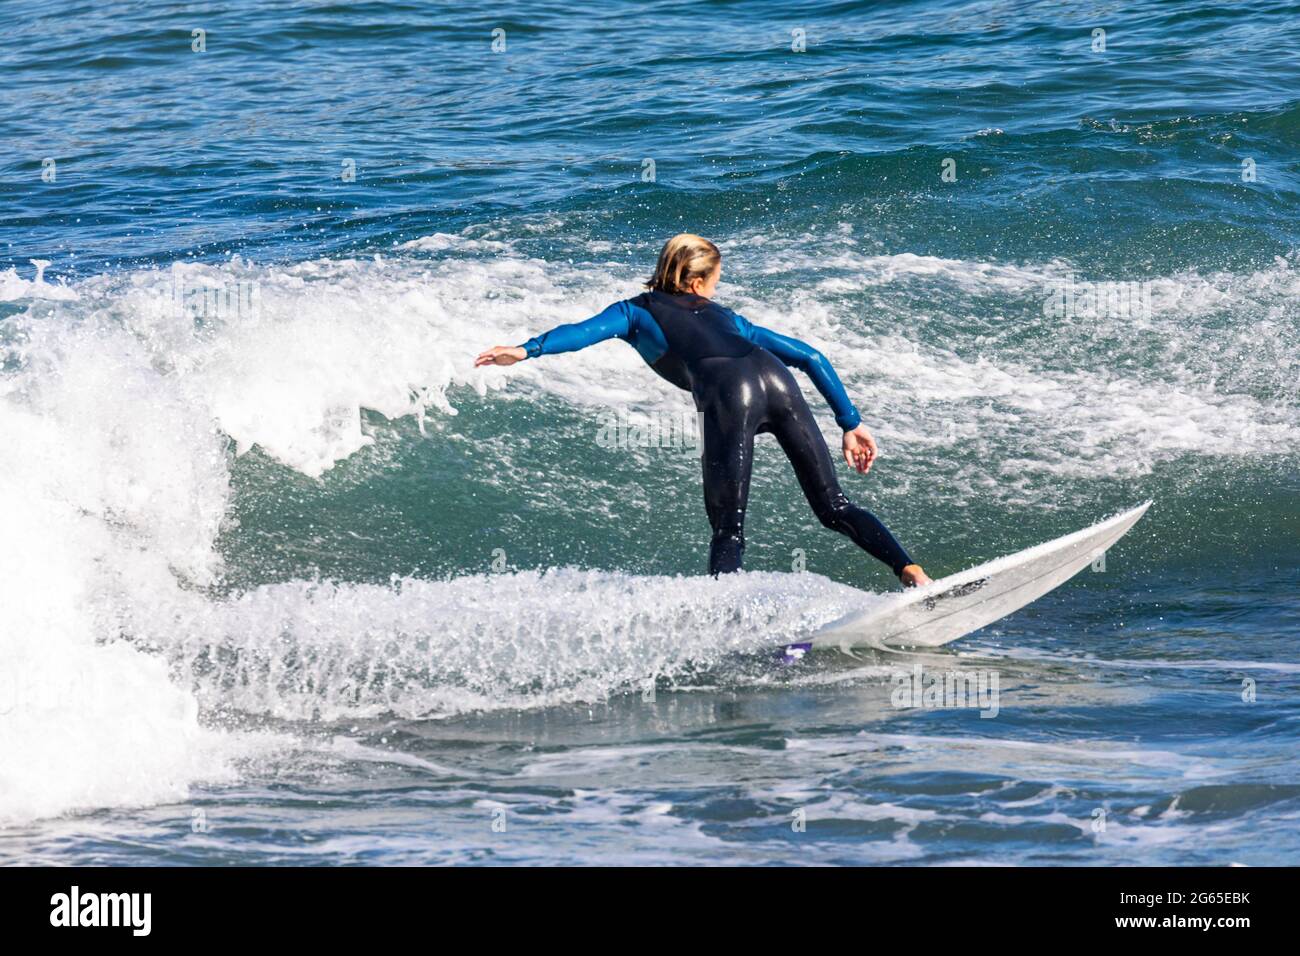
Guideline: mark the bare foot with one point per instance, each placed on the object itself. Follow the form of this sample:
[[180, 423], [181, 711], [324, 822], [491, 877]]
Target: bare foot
[[913, 576]]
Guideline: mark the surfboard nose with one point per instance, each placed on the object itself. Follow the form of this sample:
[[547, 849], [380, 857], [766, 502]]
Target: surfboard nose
[[953, 606]]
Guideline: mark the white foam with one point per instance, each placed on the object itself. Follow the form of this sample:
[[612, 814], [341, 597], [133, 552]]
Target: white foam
[[112, 490], [422, 648], [14, 287], [84, 724], [443, 241]]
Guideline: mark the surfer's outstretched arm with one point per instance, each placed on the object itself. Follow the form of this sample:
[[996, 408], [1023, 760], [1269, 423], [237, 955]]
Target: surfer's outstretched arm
[[616, 321]]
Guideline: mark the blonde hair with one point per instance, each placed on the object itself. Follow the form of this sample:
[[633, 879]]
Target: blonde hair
[[683, 258]]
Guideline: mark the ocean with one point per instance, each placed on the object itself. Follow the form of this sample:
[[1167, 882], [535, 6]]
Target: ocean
[[285, 580]]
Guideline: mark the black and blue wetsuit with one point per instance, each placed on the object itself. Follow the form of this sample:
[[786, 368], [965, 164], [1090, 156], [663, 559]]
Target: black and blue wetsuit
[[737, 374]]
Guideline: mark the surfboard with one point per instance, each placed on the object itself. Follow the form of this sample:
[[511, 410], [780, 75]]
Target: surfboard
[[952, 607]]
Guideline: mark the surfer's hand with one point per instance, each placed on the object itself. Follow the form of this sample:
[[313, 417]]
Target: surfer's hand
[[501, 355], [860, 449]]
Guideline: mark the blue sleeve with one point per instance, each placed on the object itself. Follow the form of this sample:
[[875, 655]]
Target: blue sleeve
[[812, 363], [614, 322]]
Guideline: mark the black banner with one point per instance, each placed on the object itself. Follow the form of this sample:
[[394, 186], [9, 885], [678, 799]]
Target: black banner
[[942, 906]]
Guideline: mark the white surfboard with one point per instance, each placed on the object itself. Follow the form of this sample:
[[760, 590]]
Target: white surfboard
[[954, 606]]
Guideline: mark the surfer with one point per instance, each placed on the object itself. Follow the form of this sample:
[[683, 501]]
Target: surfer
[[736, 372]]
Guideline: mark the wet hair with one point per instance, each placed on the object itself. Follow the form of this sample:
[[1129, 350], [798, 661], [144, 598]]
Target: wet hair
[[683, 258]]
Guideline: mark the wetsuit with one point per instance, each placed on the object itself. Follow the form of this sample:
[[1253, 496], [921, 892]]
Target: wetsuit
[[737, 374]]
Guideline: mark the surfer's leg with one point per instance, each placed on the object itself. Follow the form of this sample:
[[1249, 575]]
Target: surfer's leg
[[796, 429], [728, 460]]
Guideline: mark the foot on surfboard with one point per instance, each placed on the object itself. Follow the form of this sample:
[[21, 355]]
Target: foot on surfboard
[[913, 576]]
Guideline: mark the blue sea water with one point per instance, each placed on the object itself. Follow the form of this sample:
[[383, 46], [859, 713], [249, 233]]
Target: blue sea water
[[285, 580]]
